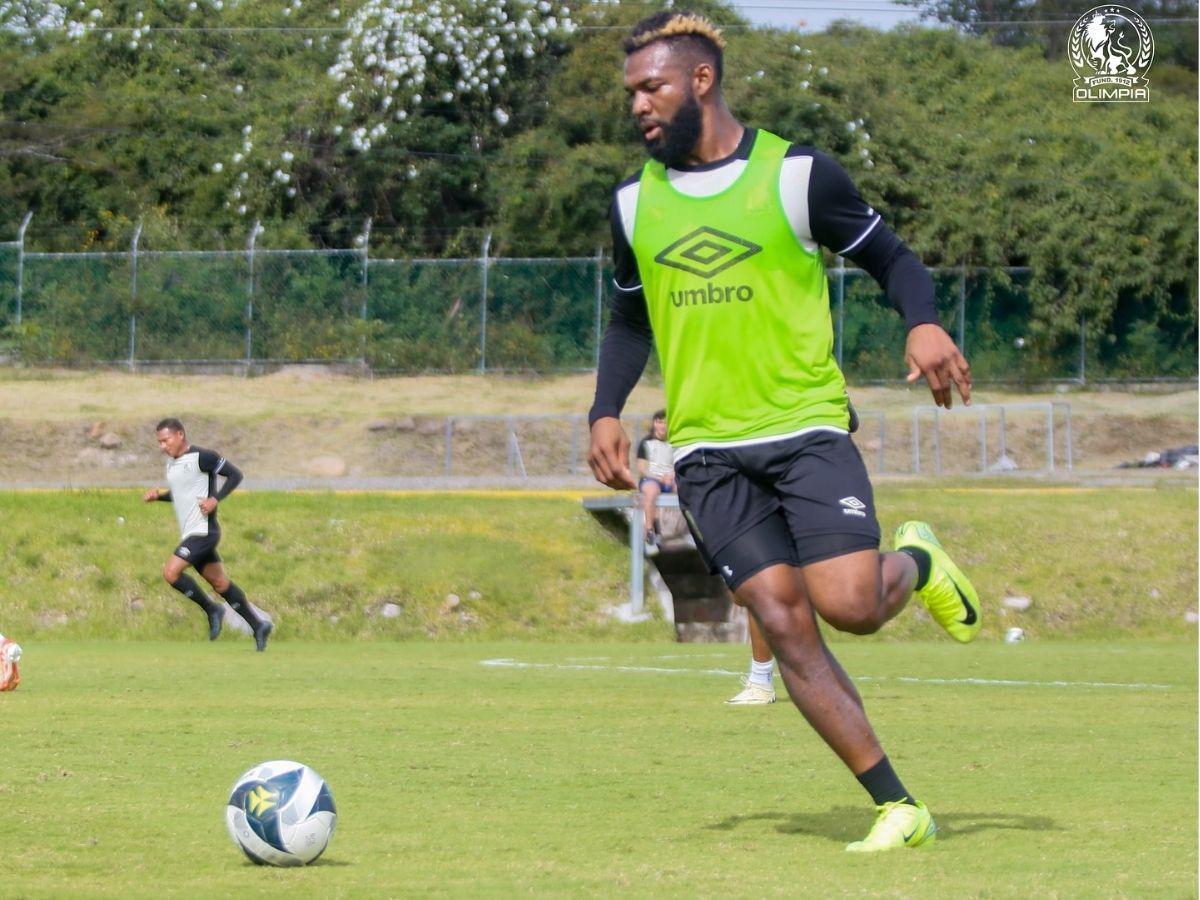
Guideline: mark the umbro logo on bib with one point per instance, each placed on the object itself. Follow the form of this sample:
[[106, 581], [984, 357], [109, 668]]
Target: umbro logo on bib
[[706, 252]]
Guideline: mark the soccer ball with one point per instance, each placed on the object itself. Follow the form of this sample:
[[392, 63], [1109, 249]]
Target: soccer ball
[[281, 813]]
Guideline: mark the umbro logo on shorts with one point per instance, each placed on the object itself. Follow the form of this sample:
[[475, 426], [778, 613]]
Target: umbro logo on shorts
[[852, 506], [185, 552]]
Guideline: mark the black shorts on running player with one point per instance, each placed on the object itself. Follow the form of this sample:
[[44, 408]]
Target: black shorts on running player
[[797, 501], [199, 550]]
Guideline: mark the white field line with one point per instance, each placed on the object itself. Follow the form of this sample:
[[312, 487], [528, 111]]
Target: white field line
[[904, 679]]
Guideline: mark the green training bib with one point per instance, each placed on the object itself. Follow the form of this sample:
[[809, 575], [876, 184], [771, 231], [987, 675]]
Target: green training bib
[[739, 308]]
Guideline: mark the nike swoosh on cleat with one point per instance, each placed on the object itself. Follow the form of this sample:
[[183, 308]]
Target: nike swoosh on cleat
[[971, 617], [908, 837]]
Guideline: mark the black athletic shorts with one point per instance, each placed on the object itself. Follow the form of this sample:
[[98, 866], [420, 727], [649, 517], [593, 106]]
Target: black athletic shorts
[[796, 501], [199, 550]]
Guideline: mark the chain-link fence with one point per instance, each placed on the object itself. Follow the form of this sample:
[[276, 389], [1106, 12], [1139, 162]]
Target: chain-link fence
[[253, 307]]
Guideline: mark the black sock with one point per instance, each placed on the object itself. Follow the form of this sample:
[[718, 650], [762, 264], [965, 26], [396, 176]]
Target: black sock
[[883, 784], [921, 558], [193, 592], [241, 605]]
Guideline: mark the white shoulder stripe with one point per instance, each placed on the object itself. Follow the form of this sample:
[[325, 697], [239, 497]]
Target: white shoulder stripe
[[862, 237], [794, 177], [220, 465], [627, 201]]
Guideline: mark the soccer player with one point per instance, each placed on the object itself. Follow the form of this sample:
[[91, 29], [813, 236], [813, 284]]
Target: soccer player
[[192, 489], [758, 686], [717, 253], [10, 653]]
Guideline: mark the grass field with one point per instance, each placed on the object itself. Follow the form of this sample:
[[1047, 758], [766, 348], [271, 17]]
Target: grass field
[[1095, 563], [571, 770], [523, 742]]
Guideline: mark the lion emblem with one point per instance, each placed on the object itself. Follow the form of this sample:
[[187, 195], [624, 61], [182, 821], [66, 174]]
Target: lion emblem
[[1110, 49], [1106, 49]]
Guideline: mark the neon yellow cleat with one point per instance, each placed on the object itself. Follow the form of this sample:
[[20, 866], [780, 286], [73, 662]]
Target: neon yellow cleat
[[752, 694], [948, 594], [899, 824]]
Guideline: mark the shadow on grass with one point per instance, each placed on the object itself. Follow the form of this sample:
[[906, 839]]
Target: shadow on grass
[[849, 823], [319, 863]]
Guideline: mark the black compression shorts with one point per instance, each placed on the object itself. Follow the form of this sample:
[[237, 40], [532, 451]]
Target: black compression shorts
[[199, 550], [796, 501]]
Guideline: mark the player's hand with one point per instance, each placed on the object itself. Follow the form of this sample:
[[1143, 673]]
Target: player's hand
[[150, 496], [608, 454], [208, 505], [930, 352]]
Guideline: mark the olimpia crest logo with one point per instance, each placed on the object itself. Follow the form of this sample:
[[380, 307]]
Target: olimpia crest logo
[[1111, 49]]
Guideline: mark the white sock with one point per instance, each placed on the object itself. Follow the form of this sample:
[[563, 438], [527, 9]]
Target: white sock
[[762, 673]]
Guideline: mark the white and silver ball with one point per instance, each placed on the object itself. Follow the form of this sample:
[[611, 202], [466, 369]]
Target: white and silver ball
[[281, 813]]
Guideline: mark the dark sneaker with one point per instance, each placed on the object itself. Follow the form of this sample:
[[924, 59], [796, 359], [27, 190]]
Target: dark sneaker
[[216, 618], [260, 636]]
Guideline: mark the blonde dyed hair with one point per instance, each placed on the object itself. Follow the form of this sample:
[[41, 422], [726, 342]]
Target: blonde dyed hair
[[680, 24]]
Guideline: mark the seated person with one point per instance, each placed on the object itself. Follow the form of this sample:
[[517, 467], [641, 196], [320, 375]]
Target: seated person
[[656, 473]]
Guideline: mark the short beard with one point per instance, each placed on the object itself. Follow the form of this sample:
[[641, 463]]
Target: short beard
[[679, 136]]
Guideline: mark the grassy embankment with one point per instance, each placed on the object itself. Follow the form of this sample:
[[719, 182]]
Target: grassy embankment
[[1095, 562]]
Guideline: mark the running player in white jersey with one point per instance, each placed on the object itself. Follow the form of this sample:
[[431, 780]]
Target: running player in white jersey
[[10, 653], [192, 489]]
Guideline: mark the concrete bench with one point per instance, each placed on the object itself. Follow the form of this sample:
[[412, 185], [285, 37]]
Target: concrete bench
[[701, 607]]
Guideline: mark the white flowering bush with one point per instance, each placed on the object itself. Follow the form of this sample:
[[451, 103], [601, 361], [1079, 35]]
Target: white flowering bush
[[400, 55]]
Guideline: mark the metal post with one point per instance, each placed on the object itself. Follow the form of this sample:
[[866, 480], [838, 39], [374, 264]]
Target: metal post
[[483, 292], [982, 438], [962, 312], [1050, 436], [599, 309], [1003, 435], [637, 562], [362, 313], [514, 444], [1070, 448], [841, 306], [576, 421], [1082, 349], [508, 442], [21, 263], [250, 291], [133, 295]]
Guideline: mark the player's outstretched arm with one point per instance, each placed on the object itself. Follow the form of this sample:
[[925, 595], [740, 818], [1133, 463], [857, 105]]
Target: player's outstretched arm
[[929, 351]]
